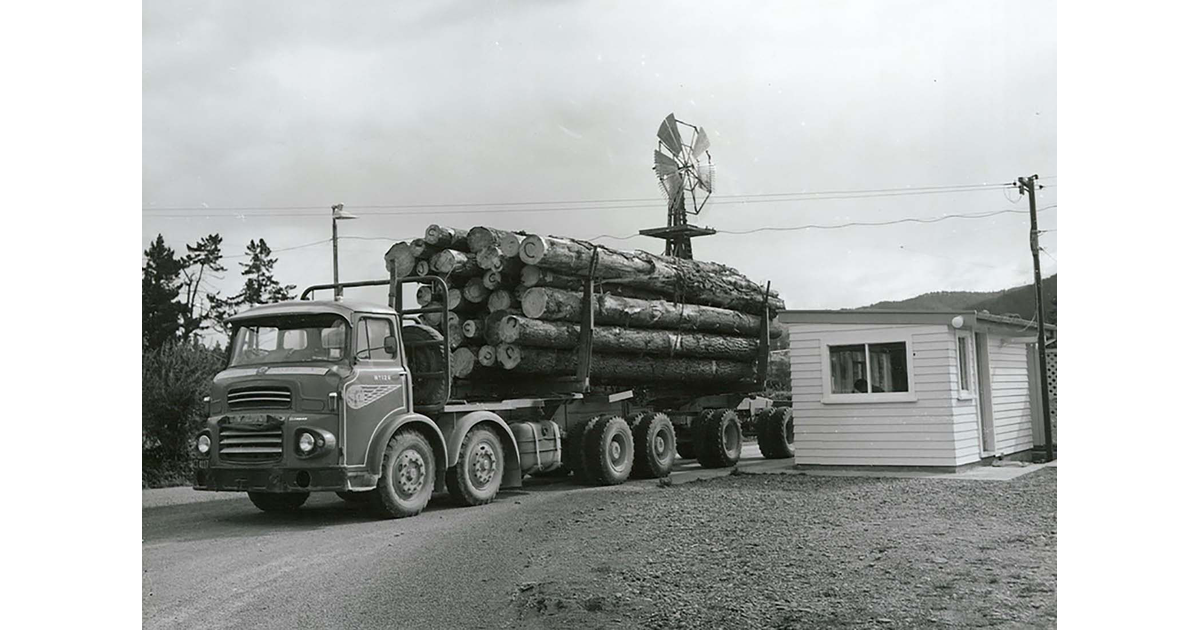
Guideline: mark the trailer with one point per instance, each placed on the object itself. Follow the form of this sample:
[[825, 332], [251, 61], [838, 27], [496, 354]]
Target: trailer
[[358, 399]]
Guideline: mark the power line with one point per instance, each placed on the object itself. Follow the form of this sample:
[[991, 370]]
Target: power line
[[582, 205]]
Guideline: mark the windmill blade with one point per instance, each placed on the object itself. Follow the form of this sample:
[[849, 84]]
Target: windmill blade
[[664, 165], [673, 185], [704, 175], [668, 132], [701, 144]]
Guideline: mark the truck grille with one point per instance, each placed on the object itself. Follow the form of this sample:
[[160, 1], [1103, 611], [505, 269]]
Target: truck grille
[[250, 444], [260, 397]]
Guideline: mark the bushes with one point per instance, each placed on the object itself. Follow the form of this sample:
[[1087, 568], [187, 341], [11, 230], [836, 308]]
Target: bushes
[[175, 379]]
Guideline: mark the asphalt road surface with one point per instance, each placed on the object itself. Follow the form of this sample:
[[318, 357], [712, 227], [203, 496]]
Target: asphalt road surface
[[215, 561]]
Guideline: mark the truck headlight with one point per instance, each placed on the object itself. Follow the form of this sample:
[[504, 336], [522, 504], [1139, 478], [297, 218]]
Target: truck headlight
[[203, 443], [307, 443]]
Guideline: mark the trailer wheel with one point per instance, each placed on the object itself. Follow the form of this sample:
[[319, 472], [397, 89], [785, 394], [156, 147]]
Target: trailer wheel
[[480, 469], [355, 498], [608, 451], [775, 429], [653, 446], [278, 501], [575, 441], [721, 446], [406, 482]]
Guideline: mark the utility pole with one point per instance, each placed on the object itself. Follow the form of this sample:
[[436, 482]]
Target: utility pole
[[339, 214], [1030, 185]]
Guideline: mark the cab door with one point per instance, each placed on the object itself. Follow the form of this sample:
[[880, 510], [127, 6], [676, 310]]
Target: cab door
[[378, 386]]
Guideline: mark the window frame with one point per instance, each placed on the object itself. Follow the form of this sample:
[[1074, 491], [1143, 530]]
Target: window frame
[[972, 382], [866, 338], [362, 319]]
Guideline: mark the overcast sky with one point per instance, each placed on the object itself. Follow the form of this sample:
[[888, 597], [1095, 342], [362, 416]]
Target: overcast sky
[[303, 105]]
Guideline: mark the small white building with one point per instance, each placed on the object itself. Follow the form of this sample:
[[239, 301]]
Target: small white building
[[924, 389]]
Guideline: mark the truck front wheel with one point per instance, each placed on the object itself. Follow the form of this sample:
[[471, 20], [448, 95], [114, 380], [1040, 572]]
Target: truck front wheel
[[480, 469], [406, 482], [278, 501]]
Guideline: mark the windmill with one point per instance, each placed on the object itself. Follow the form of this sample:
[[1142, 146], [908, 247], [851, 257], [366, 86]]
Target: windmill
[[685, 175]]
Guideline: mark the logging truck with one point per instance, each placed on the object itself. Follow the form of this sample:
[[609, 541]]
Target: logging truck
[[358, 399]]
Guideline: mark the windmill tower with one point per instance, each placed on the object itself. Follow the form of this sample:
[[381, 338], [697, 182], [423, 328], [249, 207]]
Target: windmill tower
[[682, 169]]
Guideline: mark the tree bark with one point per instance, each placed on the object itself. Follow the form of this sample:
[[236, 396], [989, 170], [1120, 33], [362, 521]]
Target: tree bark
[[695, 282], [557, 305], [513, 329], [480, 237], [446, 237], [615, 369], [532, 276]]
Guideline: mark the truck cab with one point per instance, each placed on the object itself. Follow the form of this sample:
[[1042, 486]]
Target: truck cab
[[309, 389]]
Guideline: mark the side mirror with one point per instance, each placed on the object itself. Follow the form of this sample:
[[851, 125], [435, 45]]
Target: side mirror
[[389, 345]]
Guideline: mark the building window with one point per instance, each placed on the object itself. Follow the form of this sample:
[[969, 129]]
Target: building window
[[964, 366], [874, 369], [868, 368]]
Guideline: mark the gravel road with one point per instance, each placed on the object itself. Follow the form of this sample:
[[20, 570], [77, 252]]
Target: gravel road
[[761, 551]]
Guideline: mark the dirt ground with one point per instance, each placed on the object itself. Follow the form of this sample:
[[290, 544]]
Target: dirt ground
[[791, 551]]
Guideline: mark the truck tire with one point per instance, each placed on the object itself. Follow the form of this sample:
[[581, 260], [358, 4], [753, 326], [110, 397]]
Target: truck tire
[[476, 479], [608, 451], [721, 445], [406, 481], [574, 454], [278, 501], [653, 446], [350, 496], [775, 429]]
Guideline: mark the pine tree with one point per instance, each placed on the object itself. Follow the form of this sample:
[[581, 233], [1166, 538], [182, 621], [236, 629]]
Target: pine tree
[[260, 287], [162, 315], [204, 256]]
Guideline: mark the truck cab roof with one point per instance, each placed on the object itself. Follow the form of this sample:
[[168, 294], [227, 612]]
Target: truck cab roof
[[345, 308]]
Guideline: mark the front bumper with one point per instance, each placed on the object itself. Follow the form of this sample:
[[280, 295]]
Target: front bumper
[[257, 479]]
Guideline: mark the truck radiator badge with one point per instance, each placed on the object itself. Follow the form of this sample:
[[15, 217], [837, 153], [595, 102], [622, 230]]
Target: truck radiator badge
[[359, 396]]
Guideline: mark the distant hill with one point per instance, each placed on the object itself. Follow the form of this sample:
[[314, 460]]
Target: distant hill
[[936, 301], [1018, 301]]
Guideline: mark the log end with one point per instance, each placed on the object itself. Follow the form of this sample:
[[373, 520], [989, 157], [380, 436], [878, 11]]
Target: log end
[[508, 355], [486, 356], [533, 249], [510, 245], [533, 303], [530, 276]]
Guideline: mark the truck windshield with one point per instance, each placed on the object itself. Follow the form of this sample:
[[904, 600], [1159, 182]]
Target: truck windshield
[[290, 339]]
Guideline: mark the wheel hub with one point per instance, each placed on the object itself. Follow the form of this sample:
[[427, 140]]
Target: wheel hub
[[660, 445], [410, 473], [483, 465]]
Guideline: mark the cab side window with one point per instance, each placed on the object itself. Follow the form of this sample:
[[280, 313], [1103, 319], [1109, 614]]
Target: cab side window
[[368, 338]]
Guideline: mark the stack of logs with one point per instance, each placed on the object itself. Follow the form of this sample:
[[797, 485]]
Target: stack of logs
[[515, 301]]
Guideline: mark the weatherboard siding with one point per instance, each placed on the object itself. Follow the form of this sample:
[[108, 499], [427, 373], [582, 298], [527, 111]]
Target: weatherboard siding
[[1011, 408], [924, 432]]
